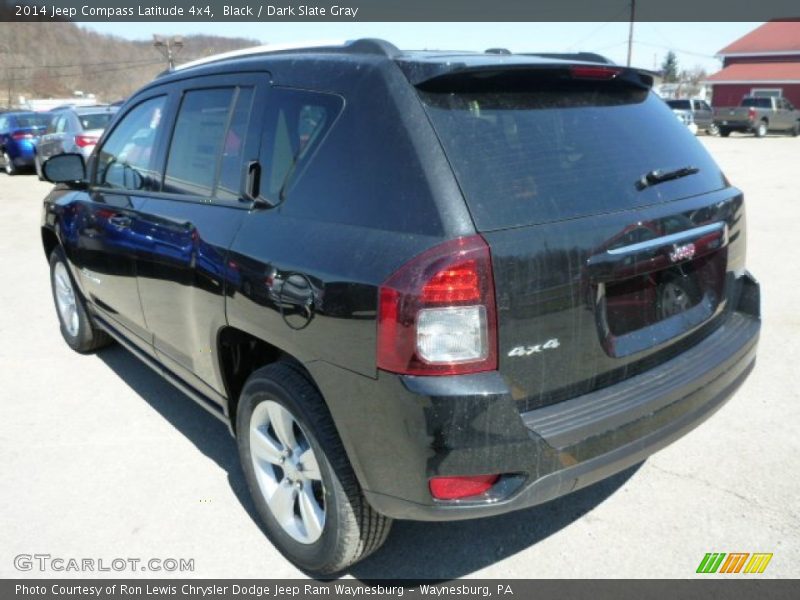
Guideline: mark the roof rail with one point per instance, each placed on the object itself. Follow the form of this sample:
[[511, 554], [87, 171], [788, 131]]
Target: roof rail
[[361, 46], [253, 50]]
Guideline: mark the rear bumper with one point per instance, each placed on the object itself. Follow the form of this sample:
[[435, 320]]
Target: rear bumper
[[736, 125], [23, 154], [408, 429]]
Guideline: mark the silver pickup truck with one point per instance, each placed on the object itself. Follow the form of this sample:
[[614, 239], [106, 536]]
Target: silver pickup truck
[[758, 115]]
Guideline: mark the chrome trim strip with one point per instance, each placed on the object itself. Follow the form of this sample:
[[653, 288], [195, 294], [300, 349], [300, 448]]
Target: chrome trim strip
[[673, 238]]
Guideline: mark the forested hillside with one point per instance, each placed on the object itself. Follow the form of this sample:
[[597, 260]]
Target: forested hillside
[[47, 60]]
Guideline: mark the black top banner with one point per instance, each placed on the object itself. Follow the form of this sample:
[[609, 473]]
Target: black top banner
[[399, 10]]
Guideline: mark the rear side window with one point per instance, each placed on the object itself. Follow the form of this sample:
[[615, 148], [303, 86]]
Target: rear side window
[[206, 153], [297, 120], [230, 170], [197, 141], [126, 159], [563, 150]]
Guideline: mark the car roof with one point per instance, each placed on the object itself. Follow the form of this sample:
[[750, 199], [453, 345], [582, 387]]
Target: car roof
[[418, 66], [363, 49], [93, 110]]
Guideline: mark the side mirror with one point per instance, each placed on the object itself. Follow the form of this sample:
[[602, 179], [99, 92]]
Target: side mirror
[[65, 168]]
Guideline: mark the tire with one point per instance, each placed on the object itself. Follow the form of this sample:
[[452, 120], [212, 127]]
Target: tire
[[321, 522], [795, 131], [724, 132], [761, 129], [675, 294], [76, 327], [713, 129], [8, 165]]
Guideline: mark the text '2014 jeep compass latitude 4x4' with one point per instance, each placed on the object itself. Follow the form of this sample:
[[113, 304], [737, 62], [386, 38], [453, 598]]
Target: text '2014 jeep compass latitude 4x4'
[[417, 285]]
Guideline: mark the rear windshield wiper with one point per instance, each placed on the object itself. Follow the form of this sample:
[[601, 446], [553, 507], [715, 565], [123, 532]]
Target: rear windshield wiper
[[658, 176]]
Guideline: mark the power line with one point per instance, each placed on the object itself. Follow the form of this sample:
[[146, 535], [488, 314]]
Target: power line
[[690, 52], [598, 29], [98, 72], [111, 62]]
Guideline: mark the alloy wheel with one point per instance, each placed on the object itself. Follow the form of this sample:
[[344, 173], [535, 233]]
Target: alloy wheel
[[65, 299], [287, 472]]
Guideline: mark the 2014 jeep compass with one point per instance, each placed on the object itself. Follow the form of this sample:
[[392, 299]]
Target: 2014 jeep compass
[[417, 285]]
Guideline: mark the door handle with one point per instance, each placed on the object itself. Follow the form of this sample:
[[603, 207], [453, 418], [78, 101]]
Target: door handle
[[655, 254], [120, 221]]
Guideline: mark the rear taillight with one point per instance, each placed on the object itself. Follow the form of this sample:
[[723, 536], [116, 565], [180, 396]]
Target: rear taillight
[[751, 114], [85, 140], [594, 72], [453, 488], [21, 135], [436, 314]]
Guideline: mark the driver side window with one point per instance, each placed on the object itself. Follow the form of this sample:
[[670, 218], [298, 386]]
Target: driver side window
[[127, 159]]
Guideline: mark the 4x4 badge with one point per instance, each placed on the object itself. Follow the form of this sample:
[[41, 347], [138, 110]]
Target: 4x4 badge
[[528, 350]]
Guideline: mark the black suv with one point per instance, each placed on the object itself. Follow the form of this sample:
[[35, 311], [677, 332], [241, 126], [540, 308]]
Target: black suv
[[417, 285]]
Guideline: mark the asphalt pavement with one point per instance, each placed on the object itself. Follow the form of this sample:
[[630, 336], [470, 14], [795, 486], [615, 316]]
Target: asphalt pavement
[[101, 459]]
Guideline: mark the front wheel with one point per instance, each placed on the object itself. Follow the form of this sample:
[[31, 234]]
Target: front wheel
[[761, 129], [713, 129], [299, 476], [796, 129], [76, 327]]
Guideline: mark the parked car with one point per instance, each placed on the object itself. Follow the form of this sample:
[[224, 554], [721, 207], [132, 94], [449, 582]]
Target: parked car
[[72, 129], [702, 114], [416, 285], [19, 132], [758, 115]]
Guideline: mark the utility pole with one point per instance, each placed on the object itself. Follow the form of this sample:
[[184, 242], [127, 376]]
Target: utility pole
[[630, 31], [168, 47]]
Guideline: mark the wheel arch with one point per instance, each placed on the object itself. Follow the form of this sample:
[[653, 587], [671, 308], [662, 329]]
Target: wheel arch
[[239, 354], [50, 241]]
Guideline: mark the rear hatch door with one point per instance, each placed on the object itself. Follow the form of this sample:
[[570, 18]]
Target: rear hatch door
[[613, 233]]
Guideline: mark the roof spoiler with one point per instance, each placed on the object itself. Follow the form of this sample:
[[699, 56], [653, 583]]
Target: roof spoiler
[[455, 76]]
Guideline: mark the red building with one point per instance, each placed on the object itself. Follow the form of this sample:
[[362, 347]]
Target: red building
[[765, 62]]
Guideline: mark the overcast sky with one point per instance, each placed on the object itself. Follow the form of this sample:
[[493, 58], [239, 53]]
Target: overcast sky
[[694, 43]]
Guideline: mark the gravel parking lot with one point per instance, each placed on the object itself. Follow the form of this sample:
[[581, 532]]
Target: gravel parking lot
[[103, 459]]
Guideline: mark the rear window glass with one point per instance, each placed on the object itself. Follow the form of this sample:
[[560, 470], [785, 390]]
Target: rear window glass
[[564, 150], [94, 121], [32, 120], [758, 102], [679, 104]]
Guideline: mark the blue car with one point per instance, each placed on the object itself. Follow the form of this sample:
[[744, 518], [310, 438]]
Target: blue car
[[19, 132]]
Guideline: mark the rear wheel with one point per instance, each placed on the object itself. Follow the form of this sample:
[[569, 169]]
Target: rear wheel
[[76, 327], [761, 129], [8, 165], [301, 481], [724, 131]]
